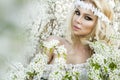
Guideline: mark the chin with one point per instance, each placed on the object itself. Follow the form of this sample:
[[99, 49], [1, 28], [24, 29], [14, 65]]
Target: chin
[[76, 33], [79, 34]]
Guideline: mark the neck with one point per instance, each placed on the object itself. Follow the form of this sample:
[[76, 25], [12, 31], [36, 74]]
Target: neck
[[79, 46]]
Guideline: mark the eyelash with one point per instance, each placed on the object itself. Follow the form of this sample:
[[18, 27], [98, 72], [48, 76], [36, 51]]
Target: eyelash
[[88, 18], [77, 12]]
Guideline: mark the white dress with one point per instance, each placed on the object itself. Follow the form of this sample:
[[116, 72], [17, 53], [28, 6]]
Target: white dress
[[79, 67]]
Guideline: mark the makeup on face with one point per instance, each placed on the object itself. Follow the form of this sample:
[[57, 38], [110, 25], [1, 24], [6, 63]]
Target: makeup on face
[[83, 21]]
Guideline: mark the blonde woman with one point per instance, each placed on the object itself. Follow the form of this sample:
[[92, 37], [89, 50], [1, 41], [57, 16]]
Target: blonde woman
[[88, 23], [85, 25]]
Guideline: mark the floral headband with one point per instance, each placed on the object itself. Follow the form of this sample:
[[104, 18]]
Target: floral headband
[[89, 6]]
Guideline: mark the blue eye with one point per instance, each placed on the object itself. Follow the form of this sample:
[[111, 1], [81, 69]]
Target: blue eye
[[77, 12]]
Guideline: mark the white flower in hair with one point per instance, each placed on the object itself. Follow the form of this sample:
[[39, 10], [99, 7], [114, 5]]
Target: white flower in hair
[[111, 2], [89, 6]]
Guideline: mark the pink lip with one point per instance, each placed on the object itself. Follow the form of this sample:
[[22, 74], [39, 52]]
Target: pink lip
[[76, 28]]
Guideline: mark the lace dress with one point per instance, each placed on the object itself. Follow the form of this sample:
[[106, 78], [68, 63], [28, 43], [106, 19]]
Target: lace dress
[[68, 67]]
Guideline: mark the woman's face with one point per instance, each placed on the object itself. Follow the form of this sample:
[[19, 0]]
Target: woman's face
[[83, 22]]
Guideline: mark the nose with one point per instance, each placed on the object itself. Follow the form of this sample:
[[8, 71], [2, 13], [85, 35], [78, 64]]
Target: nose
[[79, 19]]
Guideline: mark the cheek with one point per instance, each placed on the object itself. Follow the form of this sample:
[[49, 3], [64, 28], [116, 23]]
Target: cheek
[[88, 27]]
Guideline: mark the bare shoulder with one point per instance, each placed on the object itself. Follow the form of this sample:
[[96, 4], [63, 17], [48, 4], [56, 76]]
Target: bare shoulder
[[52, 37]]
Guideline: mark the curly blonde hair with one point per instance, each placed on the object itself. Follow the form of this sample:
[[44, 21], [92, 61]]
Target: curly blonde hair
[[101, 28]]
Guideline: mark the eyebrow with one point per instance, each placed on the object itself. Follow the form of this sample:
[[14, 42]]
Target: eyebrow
[[86, 13], [89, 14]]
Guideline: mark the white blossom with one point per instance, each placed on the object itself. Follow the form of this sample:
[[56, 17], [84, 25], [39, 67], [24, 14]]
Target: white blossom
[[17, 72], [60, 50], [50, 44], [60, 61]]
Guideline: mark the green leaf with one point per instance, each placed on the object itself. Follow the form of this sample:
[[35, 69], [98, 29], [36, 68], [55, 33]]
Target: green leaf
[[14, 77], [51, 50], [32, 74], [90, 78], [112, 66], [96, 65], [56, 73], [105, 61], [105, 69], [67, 76]]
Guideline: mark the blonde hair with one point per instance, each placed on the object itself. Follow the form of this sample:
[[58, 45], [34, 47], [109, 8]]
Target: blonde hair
[[101, 28]]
